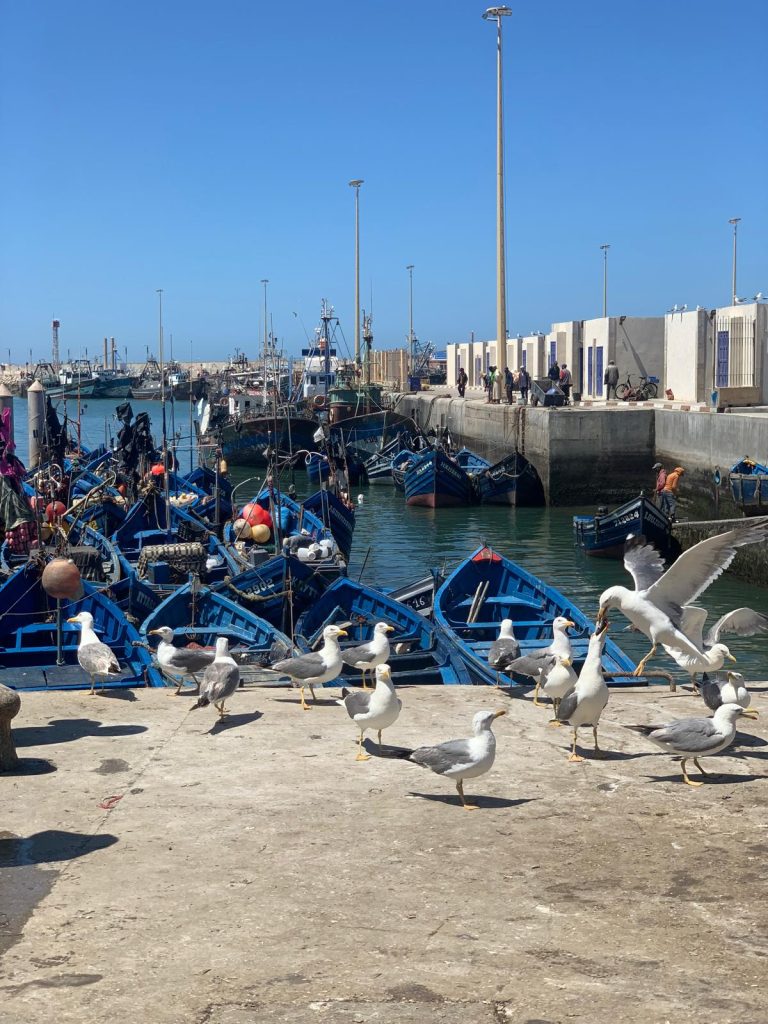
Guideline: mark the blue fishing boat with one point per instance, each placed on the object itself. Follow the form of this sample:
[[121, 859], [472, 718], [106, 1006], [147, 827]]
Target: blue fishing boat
[[30, 621], [280, 589], [336, 515], [378, 467], [427, 654], [434, 480], [400, 464], [749, 486], [471, 462], [319, 468], [202, 615], [512, 481], [605, 533], [487, 588]]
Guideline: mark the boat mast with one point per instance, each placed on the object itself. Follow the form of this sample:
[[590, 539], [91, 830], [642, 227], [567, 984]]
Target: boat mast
[[164, 447], [265, 282], [368, 342]]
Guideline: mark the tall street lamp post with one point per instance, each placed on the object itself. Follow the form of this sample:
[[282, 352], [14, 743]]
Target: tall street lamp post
[[605, 249], [735, 222], [409, 268], [496, 14], [355, 184]]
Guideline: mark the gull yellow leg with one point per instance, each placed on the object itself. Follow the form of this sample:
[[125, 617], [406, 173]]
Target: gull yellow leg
[[221, 710], [696, 762], [555, 724], [360, 755], [690, 782], [312, 691], [379, 739], [365, 681], [598, 751], [574, 756], [179, 684], [304, 705], [93, 686], [460, 789], [641, 667], [536, 700]]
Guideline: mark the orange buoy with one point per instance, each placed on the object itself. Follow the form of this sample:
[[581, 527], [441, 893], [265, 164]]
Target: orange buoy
[[55, 510], [61, 579]]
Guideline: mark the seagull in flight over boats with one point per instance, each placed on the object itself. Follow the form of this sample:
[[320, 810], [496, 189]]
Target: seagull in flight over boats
[[655, 606], [712, 654]]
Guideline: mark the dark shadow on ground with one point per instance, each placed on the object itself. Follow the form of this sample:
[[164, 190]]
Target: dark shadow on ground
[[321, 702], [115, 694], [482, 802], [64, 730], [30, 766], [711, 779], [50, 845], [234, 721]]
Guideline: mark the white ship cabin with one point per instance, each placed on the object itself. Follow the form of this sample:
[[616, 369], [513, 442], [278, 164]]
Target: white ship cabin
[[315, 379]]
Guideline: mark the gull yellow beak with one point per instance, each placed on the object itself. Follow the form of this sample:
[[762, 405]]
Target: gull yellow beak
[[73, 620], [750, 713], [390, 629], [343, 632], [566, 662], [153, 632], [571, 625], [730, 657], [498, 714]]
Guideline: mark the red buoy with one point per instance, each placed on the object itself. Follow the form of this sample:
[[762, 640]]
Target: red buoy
[[61, 579]]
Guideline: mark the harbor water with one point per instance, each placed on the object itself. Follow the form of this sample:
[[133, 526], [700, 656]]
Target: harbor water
[[395, 544]]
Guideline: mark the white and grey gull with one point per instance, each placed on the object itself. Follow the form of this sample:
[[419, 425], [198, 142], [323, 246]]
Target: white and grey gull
[[315, 668], [94, 657], [220, 679], [536, 662], [504, 649], [367, 656], [587, 702], [377, 710], [712, 653], [180, 662]]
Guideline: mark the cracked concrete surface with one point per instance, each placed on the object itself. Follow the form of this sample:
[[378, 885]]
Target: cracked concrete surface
[[161, 868]]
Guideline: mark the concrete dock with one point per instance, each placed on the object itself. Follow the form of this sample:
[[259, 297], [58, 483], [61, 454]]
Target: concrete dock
[[158, 867]]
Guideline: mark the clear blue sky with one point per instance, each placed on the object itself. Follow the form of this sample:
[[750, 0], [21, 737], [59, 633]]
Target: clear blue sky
[[200, 147]]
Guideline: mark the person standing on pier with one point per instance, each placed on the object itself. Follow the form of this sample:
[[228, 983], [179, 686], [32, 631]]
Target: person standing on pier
[[461, 381], [661, 479], [669, 494], [565, 381], [554, 373], [525, 383], [509, 385], [611, 379], [497, 385]]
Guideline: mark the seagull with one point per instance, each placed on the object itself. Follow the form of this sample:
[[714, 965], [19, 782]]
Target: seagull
[[94, 657], [504, 649], [740, 622], [533, 663], [656, 604], [559, 680], [377, 710], [585, 705], [463, 759], [368, 656], [319, 667], [732, 690], [696, 737], [220, 679], [180, 661]]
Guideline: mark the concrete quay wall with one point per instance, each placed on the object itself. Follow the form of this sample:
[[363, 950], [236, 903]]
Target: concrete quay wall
[[603, 454]]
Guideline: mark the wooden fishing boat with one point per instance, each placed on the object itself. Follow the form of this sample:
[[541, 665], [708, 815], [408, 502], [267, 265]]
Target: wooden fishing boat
[[605, 533], [334, 514], [434, 480], [318, 468], [419, 595], [400, 464], [200, 615], [512, 481], [30, 621], [749, 486], [378, 467], [486, 588], [428, 655], [472, 463]]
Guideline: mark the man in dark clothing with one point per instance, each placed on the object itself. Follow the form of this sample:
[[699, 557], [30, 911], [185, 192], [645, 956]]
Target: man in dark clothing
[[461, 381], [611, 378], [565, 381], [554, 373], [525, 383], [509, 384]]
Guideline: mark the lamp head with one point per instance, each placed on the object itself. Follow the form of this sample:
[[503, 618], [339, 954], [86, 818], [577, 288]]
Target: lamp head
[[495, 13]]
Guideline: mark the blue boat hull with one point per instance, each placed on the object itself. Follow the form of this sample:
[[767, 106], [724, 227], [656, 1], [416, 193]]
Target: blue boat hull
[[335, 515], [749, 486], [434, 481], [604, 536], [532, 605]]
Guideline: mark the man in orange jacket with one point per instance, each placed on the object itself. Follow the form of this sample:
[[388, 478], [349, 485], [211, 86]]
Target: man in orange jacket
[[669, 494]]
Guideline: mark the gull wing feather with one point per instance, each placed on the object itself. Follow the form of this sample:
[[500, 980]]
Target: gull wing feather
[[444, 756], [220, 681], [503, 651], [692, 735], [692, 624], [643, 562], [357, 703], [739, 622], [698, 567], [307, 666], [533, 663], [567, 707]]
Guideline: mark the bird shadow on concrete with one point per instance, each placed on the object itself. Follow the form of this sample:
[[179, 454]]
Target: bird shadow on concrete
[[321, 702], [710, 779], [482, 802], [64, 730], [30, 766], [607, 755], [50, 845], [115, 694], [234, 721], [386, 750]]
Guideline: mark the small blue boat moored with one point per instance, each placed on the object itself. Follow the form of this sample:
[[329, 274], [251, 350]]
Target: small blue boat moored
[[429, 655], [512, 481], [434, 480], [487, 588], [749, 486], [605, 533]]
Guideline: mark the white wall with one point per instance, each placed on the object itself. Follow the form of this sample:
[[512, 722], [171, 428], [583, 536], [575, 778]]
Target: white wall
[[687, 356]]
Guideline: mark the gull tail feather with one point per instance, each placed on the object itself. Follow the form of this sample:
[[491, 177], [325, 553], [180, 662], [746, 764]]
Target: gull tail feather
[[202, 702]]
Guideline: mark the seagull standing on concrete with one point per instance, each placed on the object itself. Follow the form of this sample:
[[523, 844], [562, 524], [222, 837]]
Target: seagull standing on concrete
[[732, 690], [463, 759], [504, 649], [534, 663], [696, 737], [559, 681], [314, 669], [220, 679], [366, 657], [377, 710], [585, 705], [180, 661], [94, 657], [656, 604]]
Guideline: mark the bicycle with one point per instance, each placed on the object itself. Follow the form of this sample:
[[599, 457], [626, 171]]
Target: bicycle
[[646, 389]]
